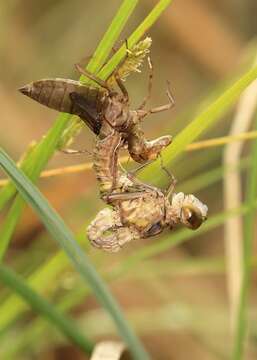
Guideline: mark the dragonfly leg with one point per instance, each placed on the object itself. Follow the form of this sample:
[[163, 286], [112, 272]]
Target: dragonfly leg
[[167, 106], [150, 85], [171, 186], [121, 86], [93, 77], [142, 113]]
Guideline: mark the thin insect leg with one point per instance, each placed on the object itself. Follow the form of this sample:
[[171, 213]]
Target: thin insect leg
[[121, 86], [124, 196], [163, 167], [128, 160], [140, 167], [127, 164], [167, 106], [131, 176], [150, 85], [171, 187], [141, 184], [131, 173], [143, 113], [92, 77], [116, 72]]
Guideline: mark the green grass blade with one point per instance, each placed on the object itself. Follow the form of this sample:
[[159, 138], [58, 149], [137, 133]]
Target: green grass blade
[[9, 225], [210, 177], [201, 123], [134, 38], [249, 225], [65, 326], [37, 158], [13, 306], [32, 166], [62, 234], [111, 35]]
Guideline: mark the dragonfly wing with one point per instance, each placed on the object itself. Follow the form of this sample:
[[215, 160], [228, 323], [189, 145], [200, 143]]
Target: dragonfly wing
[[86, 111]]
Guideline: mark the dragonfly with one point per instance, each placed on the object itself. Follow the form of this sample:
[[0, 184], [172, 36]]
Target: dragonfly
[[99, 102], [138, 210]]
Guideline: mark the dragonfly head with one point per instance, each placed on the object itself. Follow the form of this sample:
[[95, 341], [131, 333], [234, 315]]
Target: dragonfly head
[[187, 210]]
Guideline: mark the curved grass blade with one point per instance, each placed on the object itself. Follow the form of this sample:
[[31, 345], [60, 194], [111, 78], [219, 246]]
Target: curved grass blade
[[249, 225], [111, 35], [62, 234], [106, 71], [40, 305], [201, 123]]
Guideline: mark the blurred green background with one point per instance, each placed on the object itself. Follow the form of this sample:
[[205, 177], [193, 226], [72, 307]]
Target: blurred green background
[[199, 46]]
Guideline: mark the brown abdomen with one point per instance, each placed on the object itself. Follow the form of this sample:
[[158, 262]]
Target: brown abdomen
[[55, 93], [106, 161]]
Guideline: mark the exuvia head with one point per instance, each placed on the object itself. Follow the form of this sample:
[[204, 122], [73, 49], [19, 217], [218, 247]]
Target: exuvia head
[[187, 210]]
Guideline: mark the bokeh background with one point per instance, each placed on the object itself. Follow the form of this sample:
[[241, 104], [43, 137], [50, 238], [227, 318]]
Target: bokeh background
[[178, 299]]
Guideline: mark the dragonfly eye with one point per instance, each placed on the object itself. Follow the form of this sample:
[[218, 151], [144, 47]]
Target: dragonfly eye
[[192, 217]]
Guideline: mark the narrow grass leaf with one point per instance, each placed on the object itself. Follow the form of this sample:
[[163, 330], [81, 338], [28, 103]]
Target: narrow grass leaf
[[39, 157], [65, 325], [249, 225], [12, 307], [62, 234], [111, 35], [134, 38], [210, 177], [201, 123]]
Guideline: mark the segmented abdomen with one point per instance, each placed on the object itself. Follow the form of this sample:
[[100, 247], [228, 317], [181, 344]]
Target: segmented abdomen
[[106, 161], [107, 232], [55, 93]]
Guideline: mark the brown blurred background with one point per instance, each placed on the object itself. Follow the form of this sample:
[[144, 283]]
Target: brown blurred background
[[199, 46]]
